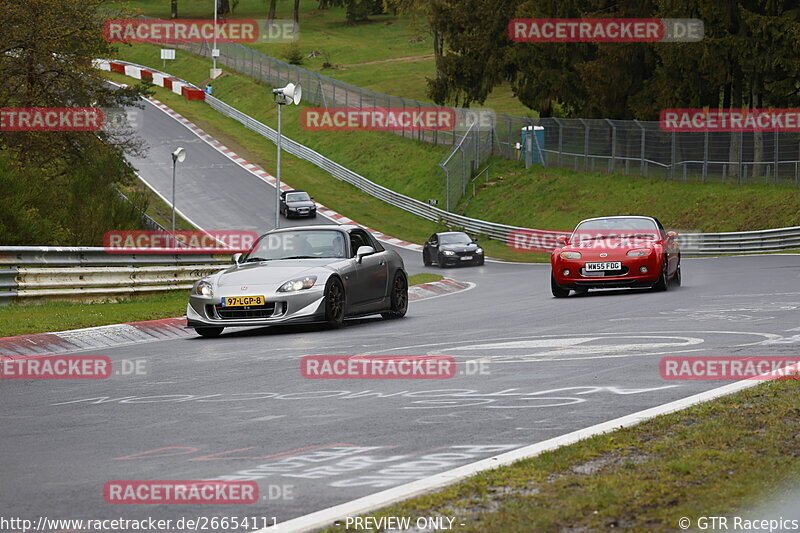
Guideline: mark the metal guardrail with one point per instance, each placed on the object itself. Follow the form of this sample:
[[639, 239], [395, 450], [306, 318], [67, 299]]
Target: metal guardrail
[[30, 273], [692, 243], [772, 240]]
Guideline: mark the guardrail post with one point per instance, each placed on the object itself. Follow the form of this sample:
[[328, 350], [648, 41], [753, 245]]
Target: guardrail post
[[612, 162], [560, 139], [642, 168], [672, 158], [775, 154], [585, 144], [741, 155]]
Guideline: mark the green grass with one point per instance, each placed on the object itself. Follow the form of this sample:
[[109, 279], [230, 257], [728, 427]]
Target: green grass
[[548, 198], [402, 166], [16, 319], [157, 208], [557, 198], [416, 279], [709, 460], [348, 47]]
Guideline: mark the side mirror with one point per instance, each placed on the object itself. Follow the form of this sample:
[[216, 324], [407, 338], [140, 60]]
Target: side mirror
[[672, 234], [235, 258], [363, 251], [475, 239], [562, 240]]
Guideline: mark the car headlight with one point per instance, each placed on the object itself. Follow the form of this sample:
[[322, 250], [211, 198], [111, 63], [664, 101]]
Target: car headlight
[[639, 252], [449, 252], [479, 251], [298, 284], [570, 255], [203, 288]]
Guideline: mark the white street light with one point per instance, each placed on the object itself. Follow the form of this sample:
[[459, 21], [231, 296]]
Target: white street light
[[288, 95], [178, 156]]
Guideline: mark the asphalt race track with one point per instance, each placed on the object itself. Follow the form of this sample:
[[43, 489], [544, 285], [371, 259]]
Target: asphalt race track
[[237, 407]]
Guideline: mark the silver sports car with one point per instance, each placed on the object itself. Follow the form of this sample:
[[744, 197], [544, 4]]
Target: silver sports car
[[318, 273]]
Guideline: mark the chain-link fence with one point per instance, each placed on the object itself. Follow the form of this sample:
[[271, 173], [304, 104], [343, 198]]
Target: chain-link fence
[[641, 148], [625, 146]]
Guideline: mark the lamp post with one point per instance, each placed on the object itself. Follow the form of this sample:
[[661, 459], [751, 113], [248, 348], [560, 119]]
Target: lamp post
[[214, 47], [178, 156], [288, 95]]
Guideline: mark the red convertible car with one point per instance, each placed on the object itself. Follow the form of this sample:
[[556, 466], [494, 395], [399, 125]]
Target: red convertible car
[[612, 252]]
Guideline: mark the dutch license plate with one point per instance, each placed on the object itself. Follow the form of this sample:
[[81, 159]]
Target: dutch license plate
[[242, 301], [466, 258], [607, 265]]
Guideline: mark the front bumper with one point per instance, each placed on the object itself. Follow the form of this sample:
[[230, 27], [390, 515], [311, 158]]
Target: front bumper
[[453, 260], [312, 212], [630, 276], [282, 307]]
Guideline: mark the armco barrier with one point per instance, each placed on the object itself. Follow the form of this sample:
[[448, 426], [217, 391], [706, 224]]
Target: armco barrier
[[183, 88], [771, 240], [29, 273]]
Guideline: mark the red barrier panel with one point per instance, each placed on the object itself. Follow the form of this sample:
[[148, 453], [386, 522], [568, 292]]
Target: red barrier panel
[[193, 94], [117, 67], [168, 83], [147, 75]]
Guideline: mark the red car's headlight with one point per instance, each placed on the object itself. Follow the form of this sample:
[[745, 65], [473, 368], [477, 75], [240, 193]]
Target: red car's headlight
[[570, 255], [640, 252]]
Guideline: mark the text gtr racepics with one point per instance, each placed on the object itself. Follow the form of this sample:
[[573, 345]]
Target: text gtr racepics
[[612, 252]]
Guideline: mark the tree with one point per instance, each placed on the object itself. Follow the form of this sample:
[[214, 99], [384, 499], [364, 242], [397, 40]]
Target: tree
[[46, 53]]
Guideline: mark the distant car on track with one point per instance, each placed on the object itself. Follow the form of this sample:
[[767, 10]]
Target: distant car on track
[[616, 251], [450, 248], [319, 273], [297, 204]]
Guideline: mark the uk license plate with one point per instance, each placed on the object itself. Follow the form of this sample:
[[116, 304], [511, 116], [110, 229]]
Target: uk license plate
[[242, 301], [466, 258], [602, 266]]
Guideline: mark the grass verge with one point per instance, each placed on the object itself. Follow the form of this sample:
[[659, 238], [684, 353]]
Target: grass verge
[[388, 53], [337, 195], [60, 316], [538, 197], [708, 460]]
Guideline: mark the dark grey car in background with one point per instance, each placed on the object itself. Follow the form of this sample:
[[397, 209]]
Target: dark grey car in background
[[449, 248], [297, 204], [321, 273]]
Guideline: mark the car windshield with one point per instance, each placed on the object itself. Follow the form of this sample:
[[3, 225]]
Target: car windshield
[[298, 197], [600, 228], [299, 244], [454, 238]]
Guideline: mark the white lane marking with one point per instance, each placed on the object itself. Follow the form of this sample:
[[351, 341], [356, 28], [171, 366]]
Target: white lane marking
[[573, 351], [470, 286], [326, 517]]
